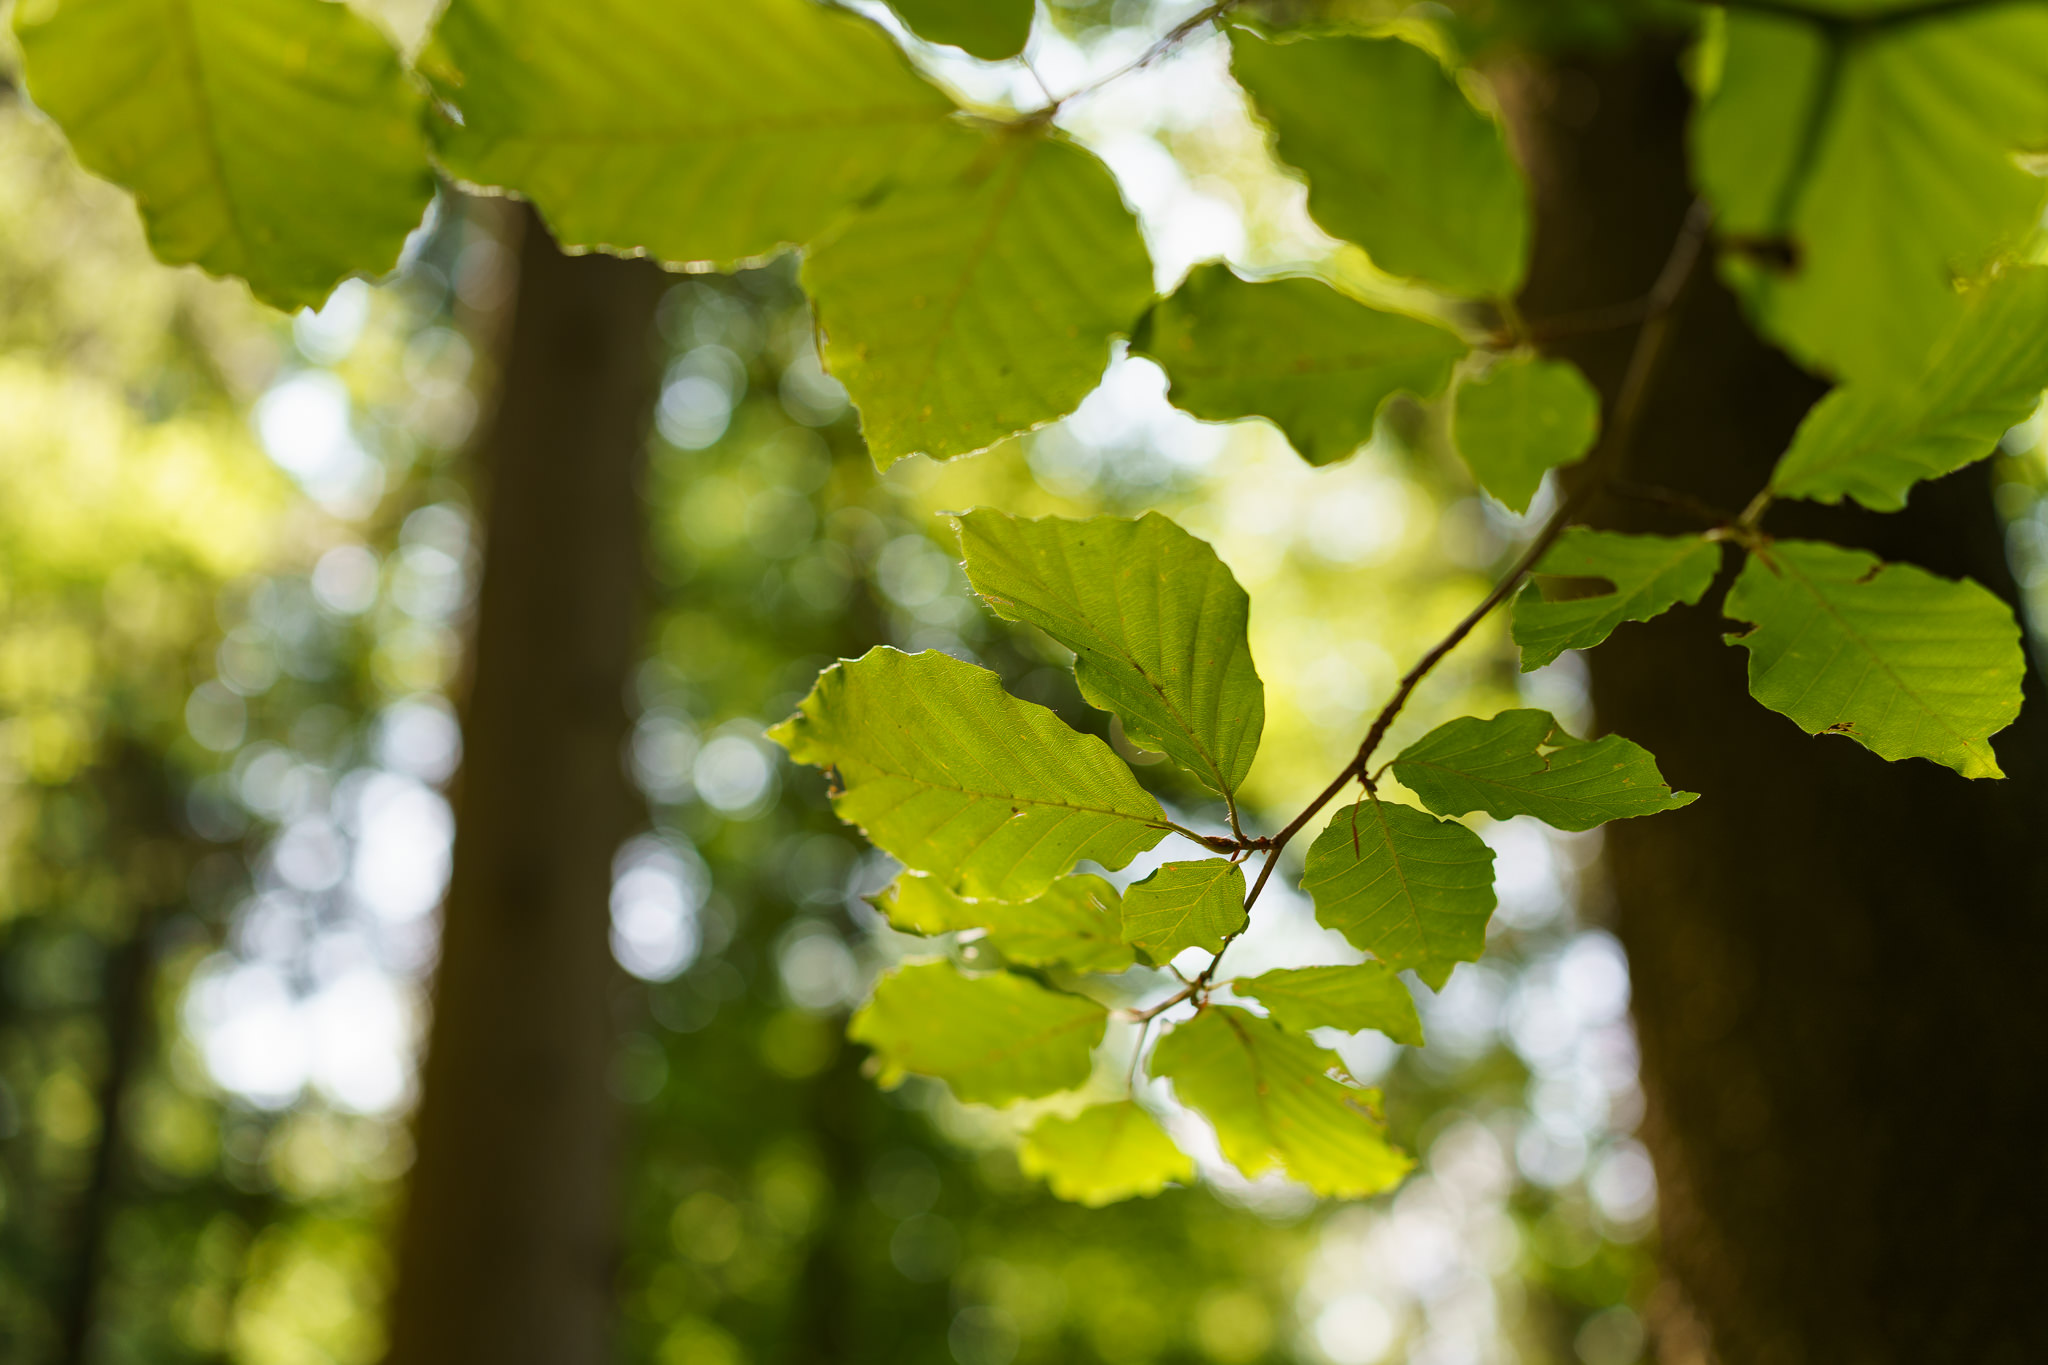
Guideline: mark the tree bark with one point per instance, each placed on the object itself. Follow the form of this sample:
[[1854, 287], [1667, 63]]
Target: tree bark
[[1836, 959], [506, 1253]]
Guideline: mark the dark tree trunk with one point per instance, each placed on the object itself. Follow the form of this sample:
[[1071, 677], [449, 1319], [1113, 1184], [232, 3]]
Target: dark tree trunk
[[1836, 959], [506, 1254]]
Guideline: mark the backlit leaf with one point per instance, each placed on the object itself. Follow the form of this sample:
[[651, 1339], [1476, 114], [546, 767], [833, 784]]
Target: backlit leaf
[[1316, 363], [1907, 664], [694, 130], [1077, 923], [1412, 890], [953, 776], [1104, 1154], [1367, 995], [1155, 620], [1648, 575], [1888, 162], [1524, 416], [1523, 763], [988, 29], [979, 299], [1185, 905], [1271, 1097], [993, 1039], [1397, 158], [275, 140], [1874, 441]]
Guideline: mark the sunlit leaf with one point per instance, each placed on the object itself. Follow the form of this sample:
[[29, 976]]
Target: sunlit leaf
[[1367, 995], [1155, 620], [1907, 664], [953, 776], [1314, 362], [1412, 890], [1645, 576], [1185, 905], [1521, 418], [695, 130], [275, 140], [979, 299], [1874, 441], [988, 29], [1397, 158], [1523, 763], [1104, 1154], [1272, 1100], [1884, 161], [1078, 923], [993, 1039]]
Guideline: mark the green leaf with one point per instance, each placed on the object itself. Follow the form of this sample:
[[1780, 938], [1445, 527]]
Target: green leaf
[[989, 29], [1155, 620], [695, 130], [953, 776], [1647, 576], [1874, 441], [1907, 664], [1316, 363], [1522, 417], [1412, 890], [993, 1039], [1887, 158], [1104, 1154], [980, 298], [1523, 763], [1185, 905], [1271, 1098], [276, 140], [1078, 923], [1397, 158], [1367, 995]]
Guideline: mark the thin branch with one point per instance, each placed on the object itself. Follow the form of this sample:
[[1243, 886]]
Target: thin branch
[[1174, 37], [1606, 461]]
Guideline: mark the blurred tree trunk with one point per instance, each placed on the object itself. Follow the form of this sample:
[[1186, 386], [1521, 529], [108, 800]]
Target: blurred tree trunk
[[507, 1250], [1836, 959]]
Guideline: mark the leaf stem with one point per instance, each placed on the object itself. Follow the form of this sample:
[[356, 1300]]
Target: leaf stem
[[1607, 458]]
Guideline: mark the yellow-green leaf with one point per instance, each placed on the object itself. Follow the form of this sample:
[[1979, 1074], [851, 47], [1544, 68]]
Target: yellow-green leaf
[[1524, 763], [994, 1039], [989, 29], [1273, 1100], [1104, 1154], [953, 776], [979, 299], [1366, 995], [1412, 890], [1185, 905], [1521, 418], [1078, 923], [1645, 577], [274, 140]]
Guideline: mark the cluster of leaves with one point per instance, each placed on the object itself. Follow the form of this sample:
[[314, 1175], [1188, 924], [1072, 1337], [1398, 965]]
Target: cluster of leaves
[[969, 275]]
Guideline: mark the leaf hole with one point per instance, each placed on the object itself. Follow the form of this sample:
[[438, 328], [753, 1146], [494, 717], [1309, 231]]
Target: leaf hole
[[1572, 588]]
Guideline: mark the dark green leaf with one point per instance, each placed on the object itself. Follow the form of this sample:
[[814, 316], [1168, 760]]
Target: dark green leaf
[[1524, 416], [1078, 923], [695, 130], [1874, 441], [1104, 1154], [275, 140], [1312, 361], [980, 298], [988, 29], [1906, 664], [1646, 576], [1365, 996], [1155, 620], [1273, 1102], [1185, 905], [1397, 158], [953, 776], [993, 1039], [1523, 763], [1412, 890]]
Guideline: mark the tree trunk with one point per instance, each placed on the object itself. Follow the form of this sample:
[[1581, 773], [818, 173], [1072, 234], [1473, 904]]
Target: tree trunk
[[506, 1253], [1836, 959]]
